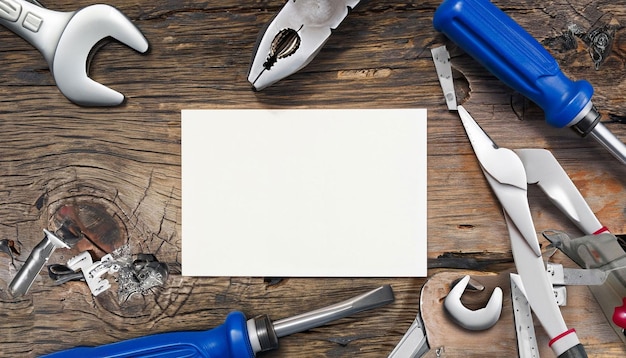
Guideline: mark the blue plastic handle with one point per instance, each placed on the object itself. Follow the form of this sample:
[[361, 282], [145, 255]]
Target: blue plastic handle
[[229, 340], [509, 52]]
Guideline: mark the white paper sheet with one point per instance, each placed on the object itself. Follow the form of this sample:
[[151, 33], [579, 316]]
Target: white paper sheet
[[287, 193]]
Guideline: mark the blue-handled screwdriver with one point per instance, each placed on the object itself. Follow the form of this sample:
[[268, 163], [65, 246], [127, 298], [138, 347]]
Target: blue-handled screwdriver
[[236, 337], [509, 52]]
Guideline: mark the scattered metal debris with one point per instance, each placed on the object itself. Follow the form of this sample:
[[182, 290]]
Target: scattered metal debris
[[145, 273], [140, 275], [93, 271], [599, 41]]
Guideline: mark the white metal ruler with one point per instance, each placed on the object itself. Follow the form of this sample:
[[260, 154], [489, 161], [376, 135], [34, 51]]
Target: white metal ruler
[[524, 327]]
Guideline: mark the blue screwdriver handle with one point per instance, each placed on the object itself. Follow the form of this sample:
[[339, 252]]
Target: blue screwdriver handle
[[229, 340], [510, 53]]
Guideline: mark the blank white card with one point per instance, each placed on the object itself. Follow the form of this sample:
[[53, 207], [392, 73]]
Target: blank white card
[[286, 193]]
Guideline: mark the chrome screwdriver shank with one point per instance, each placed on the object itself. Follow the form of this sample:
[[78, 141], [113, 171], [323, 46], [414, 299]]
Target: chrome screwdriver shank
[[609, 141], [302, 322]]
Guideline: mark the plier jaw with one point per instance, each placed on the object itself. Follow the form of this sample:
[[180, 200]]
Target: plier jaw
[[294, 37], [505, 173]]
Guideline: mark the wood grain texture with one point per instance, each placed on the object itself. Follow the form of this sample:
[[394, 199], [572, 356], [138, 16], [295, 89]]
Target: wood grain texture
[[127, 160]]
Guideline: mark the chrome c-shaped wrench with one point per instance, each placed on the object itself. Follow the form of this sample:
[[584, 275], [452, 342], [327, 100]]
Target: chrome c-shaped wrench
[[65, 39], [477, 320]]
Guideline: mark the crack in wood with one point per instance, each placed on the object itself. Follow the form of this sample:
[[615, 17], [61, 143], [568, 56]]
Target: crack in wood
[[469, 260]]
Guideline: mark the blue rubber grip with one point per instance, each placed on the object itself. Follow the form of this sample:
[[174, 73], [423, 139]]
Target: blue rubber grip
[[229, 340], [510, 53]]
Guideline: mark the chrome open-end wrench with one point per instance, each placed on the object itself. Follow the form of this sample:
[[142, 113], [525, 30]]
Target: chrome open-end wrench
[[65, 39]]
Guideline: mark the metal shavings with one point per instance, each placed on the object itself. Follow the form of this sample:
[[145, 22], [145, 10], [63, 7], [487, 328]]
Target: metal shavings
[[285, 44], [61, 274], [599, 40], [143, 274], [140, 275]]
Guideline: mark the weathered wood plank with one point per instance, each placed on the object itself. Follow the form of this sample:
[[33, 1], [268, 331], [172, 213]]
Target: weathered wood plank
[[127, 161]]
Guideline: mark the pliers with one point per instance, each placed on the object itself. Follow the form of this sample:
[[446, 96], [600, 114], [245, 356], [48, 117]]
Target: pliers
[[66, 39], [508, 173], [294, 37]]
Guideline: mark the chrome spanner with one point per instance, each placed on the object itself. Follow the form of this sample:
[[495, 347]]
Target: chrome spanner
[[65, 39]]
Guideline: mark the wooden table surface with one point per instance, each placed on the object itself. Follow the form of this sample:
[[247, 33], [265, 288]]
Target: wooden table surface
[[120, 168]]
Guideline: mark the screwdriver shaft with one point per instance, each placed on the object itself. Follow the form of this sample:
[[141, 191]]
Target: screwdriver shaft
[[609, 141], [302, 322]]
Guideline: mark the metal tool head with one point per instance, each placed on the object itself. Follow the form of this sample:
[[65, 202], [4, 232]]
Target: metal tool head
[[66, 40], [294, 37], [477, 320], [414, 343], [506, 175], [23, 280], [85, 29], [544, 170]]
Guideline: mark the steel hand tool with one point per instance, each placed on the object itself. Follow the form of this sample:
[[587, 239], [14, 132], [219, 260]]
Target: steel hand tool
[[414, 343], [560, 275], [294, 37], [65, 39], [477, 320], [506, 174], [598, 253], [34, 263], [517, 59], [236, 337]]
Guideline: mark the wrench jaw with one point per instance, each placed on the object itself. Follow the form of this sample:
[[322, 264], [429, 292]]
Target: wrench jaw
[[477, 320], [85, 30]]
